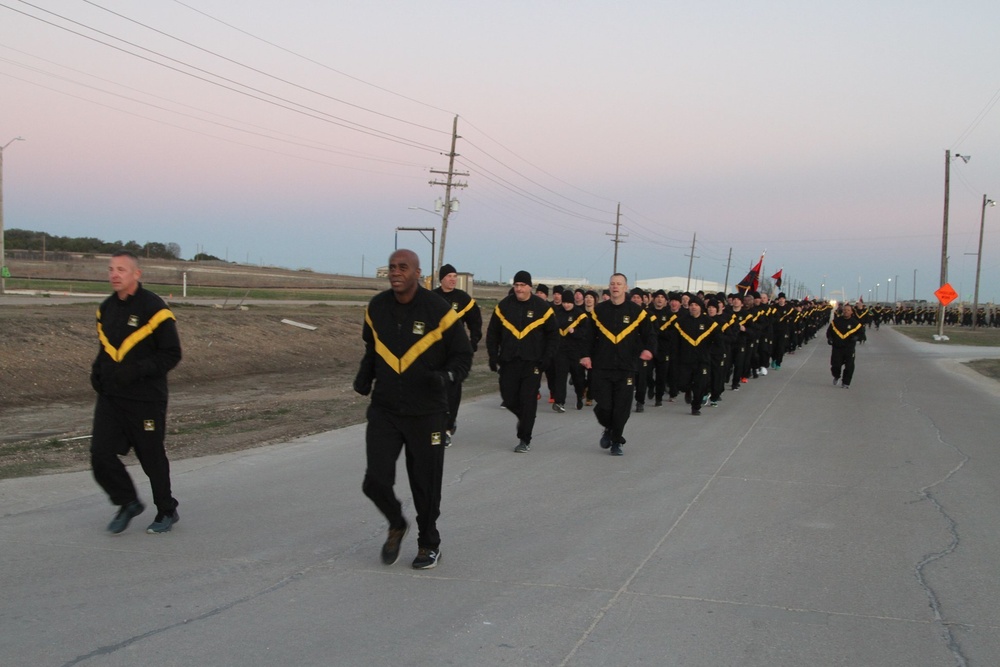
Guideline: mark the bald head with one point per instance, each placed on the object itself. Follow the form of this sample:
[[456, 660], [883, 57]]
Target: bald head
[[404, 274]]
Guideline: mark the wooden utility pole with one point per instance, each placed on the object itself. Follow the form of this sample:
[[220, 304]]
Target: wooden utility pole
[[979, 262], [691, 262], [448, 184], [729, 261], [617, 236], [944, 237]]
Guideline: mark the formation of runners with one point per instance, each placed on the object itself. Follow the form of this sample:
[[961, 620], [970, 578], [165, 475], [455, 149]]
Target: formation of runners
[[622, 350], [927, 314], [618, 351]]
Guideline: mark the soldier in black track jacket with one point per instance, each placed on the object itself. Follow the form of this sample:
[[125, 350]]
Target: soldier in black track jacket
[[573, 322], [415, 349], [468, 311], [844, 332], [696, 336], [138, 347], [621, 337], [521, 340]]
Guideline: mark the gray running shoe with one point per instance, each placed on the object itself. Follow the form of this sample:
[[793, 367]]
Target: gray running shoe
[[125, 514], [163, 523]]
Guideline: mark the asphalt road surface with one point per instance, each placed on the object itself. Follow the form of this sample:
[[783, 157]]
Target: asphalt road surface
[[796, 524]]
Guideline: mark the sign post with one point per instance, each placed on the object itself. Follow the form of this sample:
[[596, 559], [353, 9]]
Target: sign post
[[945, 295]]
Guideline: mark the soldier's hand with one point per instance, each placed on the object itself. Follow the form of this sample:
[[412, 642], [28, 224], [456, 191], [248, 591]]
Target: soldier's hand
[[363, 385], [494, 366], [444, 379]]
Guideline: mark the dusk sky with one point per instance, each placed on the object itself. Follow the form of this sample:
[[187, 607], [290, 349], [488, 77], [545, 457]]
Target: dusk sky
[[300, 134]]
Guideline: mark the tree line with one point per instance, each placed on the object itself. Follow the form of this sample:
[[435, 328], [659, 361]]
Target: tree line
[[23, 239]]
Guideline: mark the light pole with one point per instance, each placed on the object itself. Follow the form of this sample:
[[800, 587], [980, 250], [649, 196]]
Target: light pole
[[979, 261], [888, 283], [3, 266], [944, 233], [432, 230], [876, 291]]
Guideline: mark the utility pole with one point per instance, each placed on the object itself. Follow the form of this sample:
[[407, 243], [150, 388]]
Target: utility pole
[[617, 236], [3, 267], [448, 184], [944, 238], [979, 262], [691, 262], [729, 261]]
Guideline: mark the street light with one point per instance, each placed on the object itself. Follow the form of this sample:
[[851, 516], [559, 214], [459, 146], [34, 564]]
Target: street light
[[3, 267], [944, 234], [979, 261], [432, 239]]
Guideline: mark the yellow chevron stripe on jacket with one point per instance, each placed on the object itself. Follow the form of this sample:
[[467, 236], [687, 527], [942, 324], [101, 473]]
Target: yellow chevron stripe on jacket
[[625, 332], [467, 308], [400, 364], [517, 333], [697, 341], [843, 336], [572, 325], [666, 325], [134, 338]]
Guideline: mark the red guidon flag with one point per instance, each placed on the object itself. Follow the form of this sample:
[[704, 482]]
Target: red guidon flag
[[777, 278], [750, 280]]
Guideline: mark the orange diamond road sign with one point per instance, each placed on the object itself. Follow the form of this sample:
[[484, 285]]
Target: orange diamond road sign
[[946, 294]]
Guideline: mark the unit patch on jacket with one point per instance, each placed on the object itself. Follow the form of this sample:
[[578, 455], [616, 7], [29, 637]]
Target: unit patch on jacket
[[531, 314], [418, 328], [149, 424], [626, 319], [436, 438], [133, 320]]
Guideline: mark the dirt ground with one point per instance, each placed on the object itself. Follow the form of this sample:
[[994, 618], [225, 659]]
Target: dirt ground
[[246, 380]]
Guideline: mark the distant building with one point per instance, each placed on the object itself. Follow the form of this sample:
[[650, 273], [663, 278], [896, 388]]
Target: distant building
[[551, 282], [680, 284]]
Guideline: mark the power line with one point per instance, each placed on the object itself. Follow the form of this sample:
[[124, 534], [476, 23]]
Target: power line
[[310, 60], [281, 103], [258, 71], [293, 140]]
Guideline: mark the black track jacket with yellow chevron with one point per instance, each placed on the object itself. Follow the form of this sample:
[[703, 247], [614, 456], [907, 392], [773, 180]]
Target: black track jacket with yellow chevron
[[468, 310], [695, 336], [845, 332], [525, 330], [619, 335], [138, 347], [410, 350]]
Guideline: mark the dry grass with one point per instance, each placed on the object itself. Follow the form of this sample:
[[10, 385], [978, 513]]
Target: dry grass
[[956, 335]]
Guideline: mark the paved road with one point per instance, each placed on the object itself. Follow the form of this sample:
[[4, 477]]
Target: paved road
[[797, 524]]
